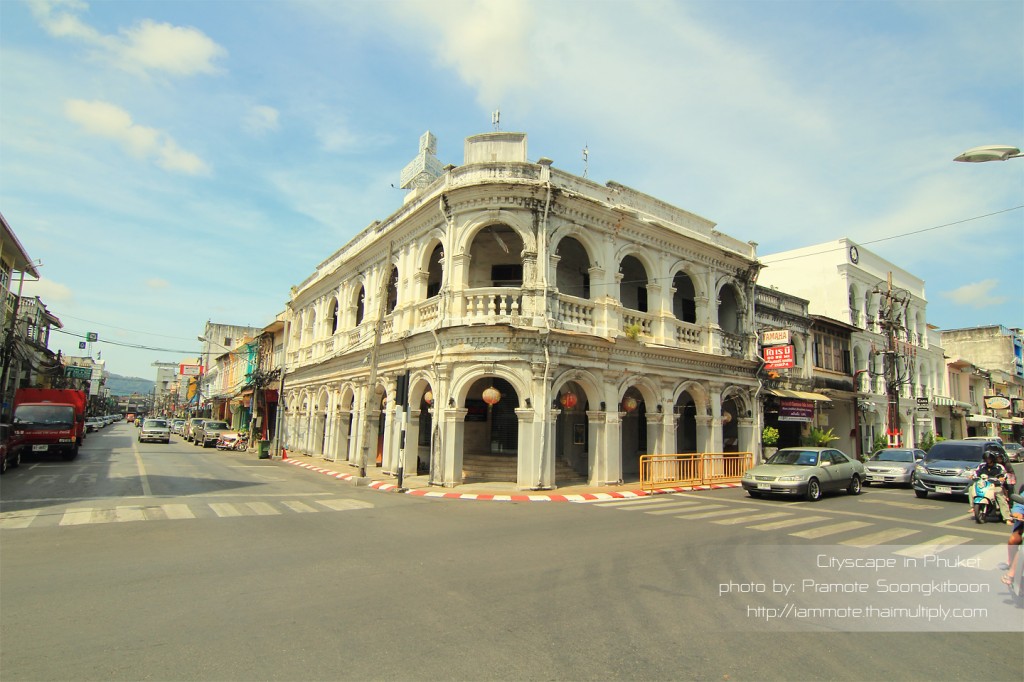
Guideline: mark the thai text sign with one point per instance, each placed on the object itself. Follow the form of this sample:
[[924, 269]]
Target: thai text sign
[[793, 410], [778, 357]]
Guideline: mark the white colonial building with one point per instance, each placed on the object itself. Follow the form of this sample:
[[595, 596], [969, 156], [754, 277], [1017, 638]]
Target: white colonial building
[[848, 283], [522, 324]]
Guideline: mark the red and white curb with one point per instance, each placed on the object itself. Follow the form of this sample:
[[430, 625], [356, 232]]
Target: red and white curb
[[549, 497]]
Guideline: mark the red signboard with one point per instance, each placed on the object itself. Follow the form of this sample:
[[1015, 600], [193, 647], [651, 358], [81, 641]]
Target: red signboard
[[778, 357], [190, 370]]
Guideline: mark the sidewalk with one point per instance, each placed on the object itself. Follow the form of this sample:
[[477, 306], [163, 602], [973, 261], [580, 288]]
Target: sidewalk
[[497, 491]]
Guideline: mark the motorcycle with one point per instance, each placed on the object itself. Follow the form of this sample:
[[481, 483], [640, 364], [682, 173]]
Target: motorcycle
[[232, 441], [983, 500]]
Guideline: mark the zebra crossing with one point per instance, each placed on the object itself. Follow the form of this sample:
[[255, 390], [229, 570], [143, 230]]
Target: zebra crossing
[[84, 516], [858, 534]]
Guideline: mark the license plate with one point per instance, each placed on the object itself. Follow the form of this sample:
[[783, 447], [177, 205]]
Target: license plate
[[40, 448], [944, 489], [764, 486]]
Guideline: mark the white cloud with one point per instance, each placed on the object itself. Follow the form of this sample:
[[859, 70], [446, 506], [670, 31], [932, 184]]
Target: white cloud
[[157, 283], [976, 294], [261, 119], [113, 122], [49, 291], [146, 46]]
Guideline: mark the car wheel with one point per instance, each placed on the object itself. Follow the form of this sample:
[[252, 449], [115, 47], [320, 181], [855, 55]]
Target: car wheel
[[854, 488], [921, 493], [813, 490]]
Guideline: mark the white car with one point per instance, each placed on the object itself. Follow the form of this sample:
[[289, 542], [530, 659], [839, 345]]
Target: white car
[[155, 430]]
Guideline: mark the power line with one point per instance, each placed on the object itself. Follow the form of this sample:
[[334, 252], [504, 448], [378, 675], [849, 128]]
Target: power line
[[144, 347]]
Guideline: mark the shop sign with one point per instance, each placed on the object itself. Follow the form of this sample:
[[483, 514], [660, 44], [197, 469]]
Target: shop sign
[[190, 370], [774, 337], [74, 372], [997, 402], [778, 357], [793, 410]]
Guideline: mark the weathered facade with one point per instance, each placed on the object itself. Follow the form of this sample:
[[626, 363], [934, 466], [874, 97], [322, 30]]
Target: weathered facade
[[552, 330]]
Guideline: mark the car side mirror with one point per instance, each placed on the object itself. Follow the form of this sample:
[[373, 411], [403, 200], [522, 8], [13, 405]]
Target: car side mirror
[[825, 464]]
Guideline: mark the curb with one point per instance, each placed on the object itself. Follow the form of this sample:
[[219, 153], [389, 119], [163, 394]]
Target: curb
[[385, 486]]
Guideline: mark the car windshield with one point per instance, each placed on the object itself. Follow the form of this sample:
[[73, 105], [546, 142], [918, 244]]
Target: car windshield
[[215, 425], [893, 456], [50, 415], [156, 423], [807, 458], [959, 452]]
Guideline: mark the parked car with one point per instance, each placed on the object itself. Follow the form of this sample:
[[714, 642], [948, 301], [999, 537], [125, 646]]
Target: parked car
[[892, 465], [177, 425], [155, 430], [93, 424], [947, 468], [806, 472], [207, 432], [189, 430], [1014, 451], [9, 457]]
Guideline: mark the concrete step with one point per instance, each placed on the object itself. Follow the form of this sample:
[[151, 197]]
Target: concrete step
[[502, 468]]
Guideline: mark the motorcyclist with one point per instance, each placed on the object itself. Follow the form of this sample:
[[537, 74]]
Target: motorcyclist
[[996, 474]]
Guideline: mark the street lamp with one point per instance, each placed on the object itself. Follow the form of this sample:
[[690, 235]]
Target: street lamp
[[992, 152]]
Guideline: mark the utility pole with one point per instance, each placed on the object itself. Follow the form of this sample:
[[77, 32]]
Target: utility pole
[[892, 307], [378, 330]]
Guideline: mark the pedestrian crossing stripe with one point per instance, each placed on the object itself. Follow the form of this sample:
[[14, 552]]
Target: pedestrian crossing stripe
[[932, 546], [825, 531], [786, 523], [747, 519], [882, 537], [711, 514], [83, 516]]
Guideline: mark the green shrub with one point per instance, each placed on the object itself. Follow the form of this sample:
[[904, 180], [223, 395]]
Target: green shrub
[[769, 436], [820, 438]]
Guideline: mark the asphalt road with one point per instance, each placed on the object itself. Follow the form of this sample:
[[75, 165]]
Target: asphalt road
[[175, 563]]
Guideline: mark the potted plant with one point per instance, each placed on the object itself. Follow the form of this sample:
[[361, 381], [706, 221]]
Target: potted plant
[[769, 441], [820, 438]]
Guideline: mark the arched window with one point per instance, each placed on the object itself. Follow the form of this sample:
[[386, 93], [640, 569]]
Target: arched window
[[633, 288], [684, 300], [572, 275], [728, 310], [332, 315], [360, 305]]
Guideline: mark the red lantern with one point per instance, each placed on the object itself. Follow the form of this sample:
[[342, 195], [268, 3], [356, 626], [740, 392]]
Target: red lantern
[[568, 400], [428, 397], [492, 396], [629, 404]]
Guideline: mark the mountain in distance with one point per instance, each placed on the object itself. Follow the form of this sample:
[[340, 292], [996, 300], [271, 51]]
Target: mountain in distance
[[119, 385]]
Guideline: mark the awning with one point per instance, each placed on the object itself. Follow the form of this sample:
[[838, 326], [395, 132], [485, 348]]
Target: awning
[[943, 401], [801, 395], [981, 418]]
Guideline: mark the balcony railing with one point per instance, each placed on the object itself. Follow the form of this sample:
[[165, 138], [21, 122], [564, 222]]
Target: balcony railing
[[510, 305]]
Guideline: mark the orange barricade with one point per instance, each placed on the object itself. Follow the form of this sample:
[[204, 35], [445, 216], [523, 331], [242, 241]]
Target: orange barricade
[[698, 468]]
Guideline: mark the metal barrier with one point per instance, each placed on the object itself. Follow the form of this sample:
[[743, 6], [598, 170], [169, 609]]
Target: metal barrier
[[699, 468]]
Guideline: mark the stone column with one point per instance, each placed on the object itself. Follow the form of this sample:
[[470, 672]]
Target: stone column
[[530, 472], [597, 444], [451, 455]]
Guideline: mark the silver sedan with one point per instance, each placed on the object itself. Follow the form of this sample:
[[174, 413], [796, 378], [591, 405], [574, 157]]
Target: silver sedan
[[893, 465]]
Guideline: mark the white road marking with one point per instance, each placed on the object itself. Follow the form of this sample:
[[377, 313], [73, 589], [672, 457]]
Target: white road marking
[[823, 531], [19, 519], [345, 505], [297, 506], [711, 514], [747, 519], [786, 523], [880, 538], [177, 511], [129, 514], [262, 508], [76, 517], [681, 506], [224, 509], [932, 546]]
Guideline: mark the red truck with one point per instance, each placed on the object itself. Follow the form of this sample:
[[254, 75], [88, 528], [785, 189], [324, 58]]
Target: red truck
[[48, 420]]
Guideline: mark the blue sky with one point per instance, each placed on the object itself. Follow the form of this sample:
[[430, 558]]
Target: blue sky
[[173, 162]]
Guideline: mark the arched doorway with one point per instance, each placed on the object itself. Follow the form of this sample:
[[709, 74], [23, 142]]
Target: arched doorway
[[571, 434], [491, 432], [730, 426], [686, 424], [634, 433]]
